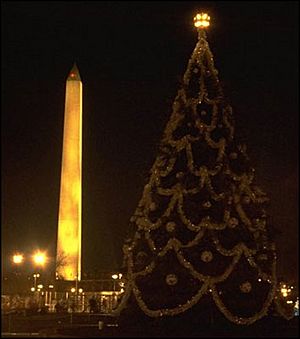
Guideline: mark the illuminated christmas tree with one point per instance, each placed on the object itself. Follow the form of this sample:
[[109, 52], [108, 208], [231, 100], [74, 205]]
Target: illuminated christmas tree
[[201, 231]]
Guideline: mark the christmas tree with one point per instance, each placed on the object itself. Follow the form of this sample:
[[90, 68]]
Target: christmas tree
[[201, 231]]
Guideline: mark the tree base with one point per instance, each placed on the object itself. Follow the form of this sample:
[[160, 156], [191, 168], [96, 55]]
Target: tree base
[[201, 321]]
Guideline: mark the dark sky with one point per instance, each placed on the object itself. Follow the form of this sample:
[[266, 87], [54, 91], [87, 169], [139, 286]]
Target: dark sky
[[131, 57]]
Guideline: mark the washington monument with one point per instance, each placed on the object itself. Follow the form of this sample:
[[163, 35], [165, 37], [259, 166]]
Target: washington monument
[[68, 253]]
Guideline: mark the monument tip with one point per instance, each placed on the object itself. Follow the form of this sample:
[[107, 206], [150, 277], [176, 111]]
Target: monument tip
[[74, 73]]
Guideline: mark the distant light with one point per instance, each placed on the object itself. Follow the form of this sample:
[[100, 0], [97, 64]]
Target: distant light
[[115, 276], [36, 275], [259, 279], [18, 258], [51, 286], [120, 275], [296, 308], [73, 289], [289, 302], [122, 290], [32, 289], [80, 290], [201, 20], [39, 258], [40, 286]]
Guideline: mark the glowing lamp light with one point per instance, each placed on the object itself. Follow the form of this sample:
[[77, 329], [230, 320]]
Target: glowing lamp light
[[296, 307], [73, 289], [201, 20], [32, 289], [284, 291], [39, 258], [115, 276], [80, 290], [18, 258]]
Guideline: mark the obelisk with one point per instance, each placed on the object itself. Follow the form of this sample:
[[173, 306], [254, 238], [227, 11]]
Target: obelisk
[[68, 253]]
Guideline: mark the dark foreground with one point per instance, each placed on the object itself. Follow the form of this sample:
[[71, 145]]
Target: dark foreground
[[88, 326]]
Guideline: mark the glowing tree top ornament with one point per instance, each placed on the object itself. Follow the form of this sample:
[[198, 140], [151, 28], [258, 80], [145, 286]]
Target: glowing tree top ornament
[[201, 227], [201, 20]]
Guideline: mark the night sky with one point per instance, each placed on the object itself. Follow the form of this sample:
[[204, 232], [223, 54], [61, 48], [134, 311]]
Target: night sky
[[131, 57]]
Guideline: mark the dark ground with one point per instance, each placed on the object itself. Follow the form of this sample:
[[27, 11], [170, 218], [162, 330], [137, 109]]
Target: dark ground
[[85, 325]]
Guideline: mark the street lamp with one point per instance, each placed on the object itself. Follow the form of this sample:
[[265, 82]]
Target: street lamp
[[35, 276], [39, 258], [50, 294], [18, 258], [115, 277]]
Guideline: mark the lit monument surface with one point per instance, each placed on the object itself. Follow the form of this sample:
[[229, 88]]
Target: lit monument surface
[[68, 254]]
